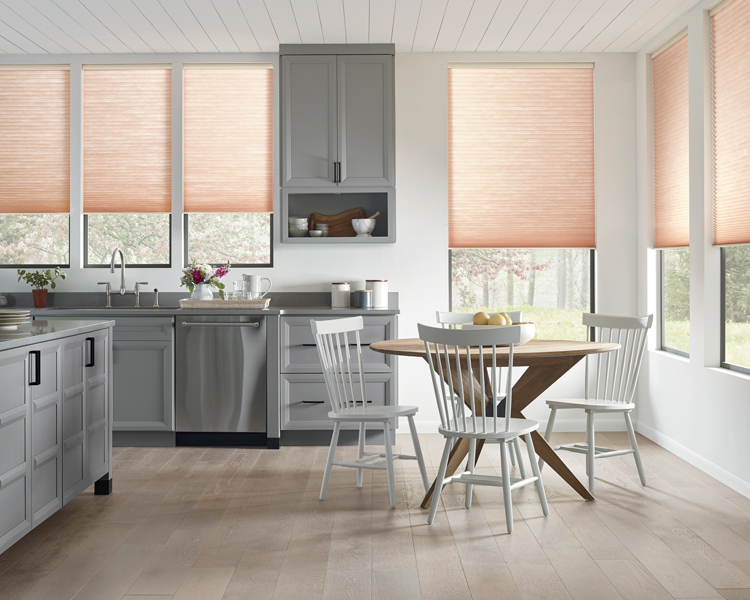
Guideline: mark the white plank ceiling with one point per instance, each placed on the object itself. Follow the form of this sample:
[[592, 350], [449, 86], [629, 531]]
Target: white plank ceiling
[[146, 26]]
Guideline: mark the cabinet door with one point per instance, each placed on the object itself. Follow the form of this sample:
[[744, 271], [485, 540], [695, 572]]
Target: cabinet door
[[96, 396], [74, 417], [365, 120], [46, 434], [300, 355], [308, 120], [305, 404], [15, 448], [143, 385]]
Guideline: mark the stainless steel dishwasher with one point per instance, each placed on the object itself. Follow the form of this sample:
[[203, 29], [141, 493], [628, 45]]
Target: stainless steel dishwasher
[[221, 380]]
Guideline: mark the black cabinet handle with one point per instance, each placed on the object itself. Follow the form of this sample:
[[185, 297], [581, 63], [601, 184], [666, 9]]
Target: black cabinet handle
[[37, 367], [313, 402], [90, 341]]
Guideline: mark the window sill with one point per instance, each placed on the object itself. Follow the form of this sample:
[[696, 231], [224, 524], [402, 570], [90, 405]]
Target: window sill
[[678, 357]]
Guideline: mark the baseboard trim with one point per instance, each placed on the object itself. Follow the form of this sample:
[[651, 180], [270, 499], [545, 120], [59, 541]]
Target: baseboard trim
[[710, 468]]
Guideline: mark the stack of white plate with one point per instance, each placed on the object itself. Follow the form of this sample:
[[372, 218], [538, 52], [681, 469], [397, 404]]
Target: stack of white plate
[[11, 318]]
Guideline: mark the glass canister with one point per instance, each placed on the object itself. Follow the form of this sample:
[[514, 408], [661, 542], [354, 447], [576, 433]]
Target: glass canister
[[379, 289], [340, 295]]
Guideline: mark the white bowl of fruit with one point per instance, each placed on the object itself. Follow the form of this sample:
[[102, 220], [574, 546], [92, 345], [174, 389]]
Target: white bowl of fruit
[[501, 319]]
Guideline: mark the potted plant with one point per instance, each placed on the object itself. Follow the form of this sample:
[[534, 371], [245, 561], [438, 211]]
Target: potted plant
[[199, 279], [40, 280]]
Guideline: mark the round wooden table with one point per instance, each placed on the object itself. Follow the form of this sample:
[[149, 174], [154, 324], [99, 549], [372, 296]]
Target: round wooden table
[[547, 361]]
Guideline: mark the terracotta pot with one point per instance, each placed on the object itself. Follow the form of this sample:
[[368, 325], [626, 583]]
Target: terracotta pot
[[40, 298]]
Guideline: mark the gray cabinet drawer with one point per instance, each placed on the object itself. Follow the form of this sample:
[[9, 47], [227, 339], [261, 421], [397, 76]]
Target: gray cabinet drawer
[[143, 328], [305, 403], [299, 354]]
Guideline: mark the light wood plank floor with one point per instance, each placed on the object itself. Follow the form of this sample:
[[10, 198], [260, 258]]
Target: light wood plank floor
[[196, 523]]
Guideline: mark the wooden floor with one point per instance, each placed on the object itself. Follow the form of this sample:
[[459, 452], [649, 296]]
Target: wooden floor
[[195, 523]]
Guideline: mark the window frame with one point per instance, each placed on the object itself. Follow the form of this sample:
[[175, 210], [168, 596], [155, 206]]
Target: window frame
[[42, 266], [723, 288], [186, 248], [592, 279], [662, 319], [88, 265]]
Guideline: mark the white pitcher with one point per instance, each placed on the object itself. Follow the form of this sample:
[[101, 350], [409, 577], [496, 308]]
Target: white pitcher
[[254, 286]]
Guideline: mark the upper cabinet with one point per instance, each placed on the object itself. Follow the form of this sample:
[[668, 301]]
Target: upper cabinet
[[337, 116]]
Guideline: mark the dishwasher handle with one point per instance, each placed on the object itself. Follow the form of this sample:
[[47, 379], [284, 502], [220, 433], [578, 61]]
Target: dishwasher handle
[[207, 324]]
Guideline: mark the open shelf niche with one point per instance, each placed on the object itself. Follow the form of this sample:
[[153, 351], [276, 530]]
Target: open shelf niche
[[302, 202]]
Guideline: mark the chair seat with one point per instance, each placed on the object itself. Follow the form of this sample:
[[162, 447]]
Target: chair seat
[[517, 428], [362, 413], [592, 405]]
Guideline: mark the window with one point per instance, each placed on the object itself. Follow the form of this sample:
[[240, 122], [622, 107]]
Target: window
[[521, 210], [228, 179], [671, 192], [127, 163], [731, 209], [34, 166]]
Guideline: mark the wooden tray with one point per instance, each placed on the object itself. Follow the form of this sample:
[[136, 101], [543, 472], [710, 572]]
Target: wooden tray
[[217, 303], [339, 225]]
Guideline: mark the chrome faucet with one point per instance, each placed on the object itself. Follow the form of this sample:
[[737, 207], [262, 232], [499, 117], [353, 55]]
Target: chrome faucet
[[122, 268]]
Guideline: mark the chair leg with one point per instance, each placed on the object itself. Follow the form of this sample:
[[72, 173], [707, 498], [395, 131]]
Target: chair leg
[[634, 446], [513, 459], [470, 467], [418, 454], [517, 451], [329, 463], [360, 452], [389, 463], [590, 449], [506, 486], [538, 473], [548, 432], [439, 481]]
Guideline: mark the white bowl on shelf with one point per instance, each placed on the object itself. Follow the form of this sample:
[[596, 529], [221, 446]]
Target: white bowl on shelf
[[363, 227], [316, 233], [297, 231]]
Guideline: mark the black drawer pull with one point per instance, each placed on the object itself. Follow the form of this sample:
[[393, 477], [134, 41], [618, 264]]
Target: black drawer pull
[[90, 341], [37, 367], [362, 344], [313, 402]]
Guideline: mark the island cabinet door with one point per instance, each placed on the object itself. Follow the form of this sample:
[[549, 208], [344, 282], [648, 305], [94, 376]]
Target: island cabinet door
[[46, 432], [15, 447], [97, 405], [74, 416]]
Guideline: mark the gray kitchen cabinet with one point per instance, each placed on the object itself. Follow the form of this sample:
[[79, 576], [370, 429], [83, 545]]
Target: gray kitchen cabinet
[[15, 447], [85, 433], [46, 434], [143, 350], [304, 403], [337, 118]]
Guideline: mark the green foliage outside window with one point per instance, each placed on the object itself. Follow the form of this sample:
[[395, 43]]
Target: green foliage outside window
[[676, 299], [737, 305]]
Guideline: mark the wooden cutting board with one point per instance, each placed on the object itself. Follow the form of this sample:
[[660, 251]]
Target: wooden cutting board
[[339, 225]]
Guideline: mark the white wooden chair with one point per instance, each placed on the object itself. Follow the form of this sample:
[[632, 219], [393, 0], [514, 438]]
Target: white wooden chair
[[337, 340], [449, 320], [459, 421], [616, 375]]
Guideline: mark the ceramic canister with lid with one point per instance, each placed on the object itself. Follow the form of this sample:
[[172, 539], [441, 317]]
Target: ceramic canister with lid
[[340, 295], [379, 289]]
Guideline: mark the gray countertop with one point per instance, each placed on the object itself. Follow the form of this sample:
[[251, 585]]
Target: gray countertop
[[41, 330]]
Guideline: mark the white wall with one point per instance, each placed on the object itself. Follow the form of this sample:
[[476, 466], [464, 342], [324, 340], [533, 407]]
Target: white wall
[[690, 406], [417, 264]]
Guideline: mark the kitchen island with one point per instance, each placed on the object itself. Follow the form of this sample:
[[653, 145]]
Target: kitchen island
[[55, 418]]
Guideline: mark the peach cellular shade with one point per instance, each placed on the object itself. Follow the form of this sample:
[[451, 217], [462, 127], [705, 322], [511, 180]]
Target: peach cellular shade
[[228, 140], [35, 141], [671, 147], [521, 157], [127, 140], [731, 126]]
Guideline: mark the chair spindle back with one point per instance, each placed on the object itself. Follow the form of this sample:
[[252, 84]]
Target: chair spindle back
[[336, 339], [616, 373], [448, 350]]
